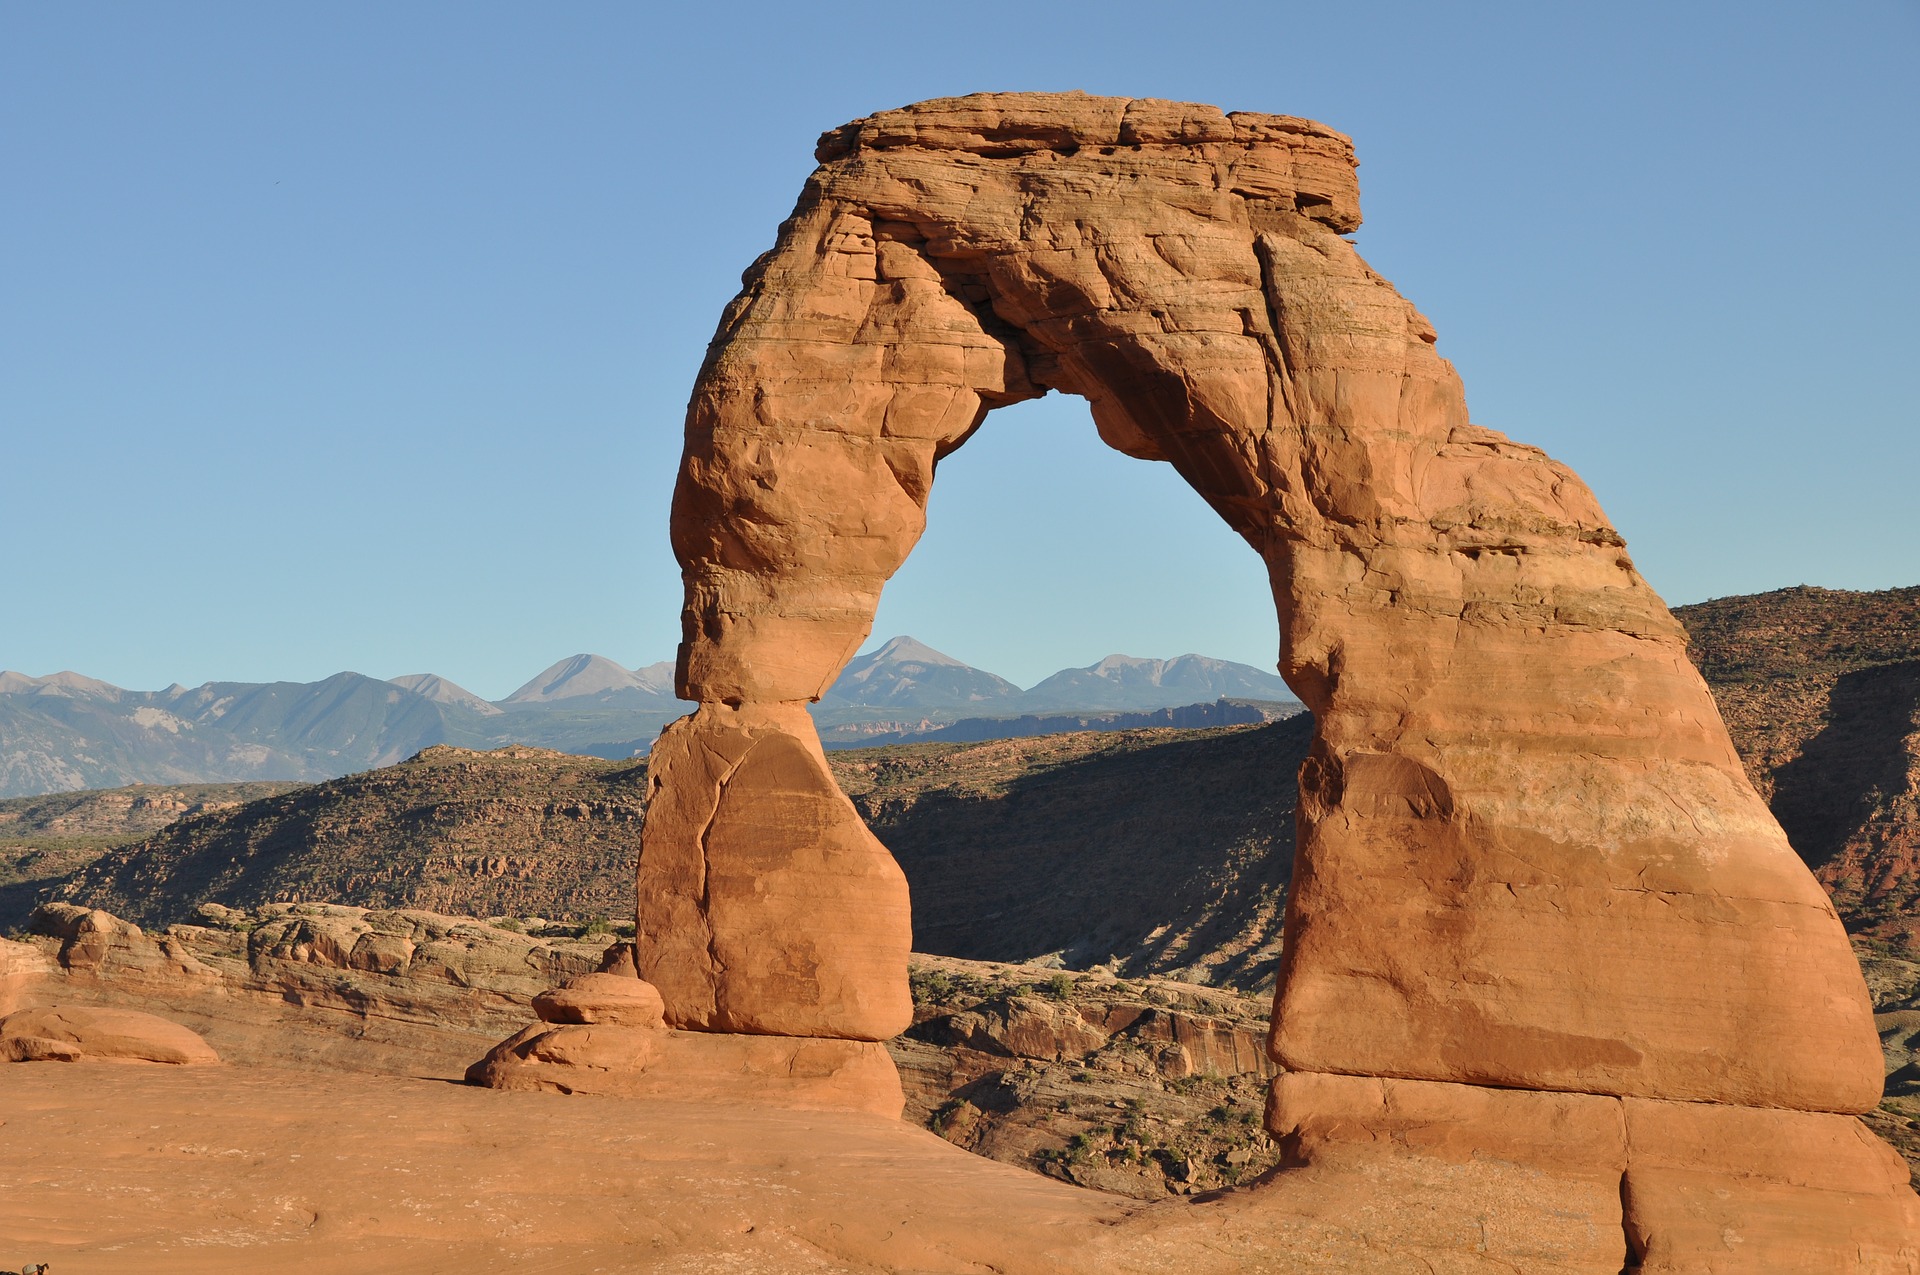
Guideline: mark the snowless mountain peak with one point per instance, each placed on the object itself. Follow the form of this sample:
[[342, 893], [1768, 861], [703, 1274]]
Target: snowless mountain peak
[[658, 677], [907, 672], [901, 649], [441, 691], [66, 682], [596, 675]]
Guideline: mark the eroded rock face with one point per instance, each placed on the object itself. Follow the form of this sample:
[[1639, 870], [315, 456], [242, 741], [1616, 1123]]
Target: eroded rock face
[[1528, 858], [1528, 855], [91, 1033], [766, 905], [308, 984], [22, 968], [604, 1034]]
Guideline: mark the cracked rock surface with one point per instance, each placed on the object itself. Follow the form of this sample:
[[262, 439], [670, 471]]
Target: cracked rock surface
[[1534, 889]]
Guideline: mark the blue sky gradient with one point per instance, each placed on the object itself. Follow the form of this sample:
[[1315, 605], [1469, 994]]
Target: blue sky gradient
[[358, 336]]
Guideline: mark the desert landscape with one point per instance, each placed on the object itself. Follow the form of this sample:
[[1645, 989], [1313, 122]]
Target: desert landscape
[[1562, 932]]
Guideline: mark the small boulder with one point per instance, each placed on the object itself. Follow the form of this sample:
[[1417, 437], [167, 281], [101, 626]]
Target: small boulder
[[602, 998], [88, 1033]]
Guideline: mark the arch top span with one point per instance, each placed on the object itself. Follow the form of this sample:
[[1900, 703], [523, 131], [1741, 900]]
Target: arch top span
[[1528, 855]]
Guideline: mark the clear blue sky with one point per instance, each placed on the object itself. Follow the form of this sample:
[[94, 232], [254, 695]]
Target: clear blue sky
[[358, 335]]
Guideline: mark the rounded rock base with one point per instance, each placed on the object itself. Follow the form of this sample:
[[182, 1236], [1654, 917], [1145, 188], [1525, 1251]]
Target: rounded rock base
[[599, 1048]]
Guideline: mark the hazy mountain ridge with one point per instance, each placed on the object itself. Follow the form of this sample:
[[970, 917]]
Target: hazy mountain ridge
[[441, 691], [1222, 712], [54, 738], [1122, 683], [598, 678], [67, 732], [1080, 844], [905, 673]]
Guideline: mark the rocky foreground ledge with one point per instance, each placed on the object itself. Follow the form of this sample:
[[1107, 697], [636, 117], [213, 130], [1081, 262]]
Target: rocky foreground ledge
[[338, 1028], [1147, 1088]]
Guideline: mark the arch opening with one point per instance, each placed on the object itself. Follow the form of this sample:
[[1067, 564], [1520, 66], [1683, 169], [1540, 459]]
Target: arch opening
[[1036, 527], [1045, 548]]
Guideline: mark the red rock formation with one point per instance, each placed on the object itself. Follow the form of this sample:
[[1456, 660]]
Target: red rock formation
[[1528, 855], [303, 985], [22, 969], [88, 1033], [769, 906], [604, 1034]]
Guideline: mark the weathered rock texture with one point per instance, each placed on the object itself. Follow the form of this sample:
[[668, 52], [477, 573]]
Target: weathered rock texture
[[767, 905], [88, 1033], [303, 985], [604, 1034], [1528, 856]]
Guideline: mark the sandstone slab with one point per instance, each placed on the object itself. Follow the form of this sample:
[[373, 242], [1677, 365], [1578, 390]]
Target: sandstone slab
[[602, 998], [1534, 1178], [1718, 1189], [798, 1072], [83, 1032], [22, 968]]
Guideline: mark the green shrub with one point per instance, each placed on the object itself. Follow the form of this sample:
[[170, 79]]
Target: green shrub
[[931, 986]]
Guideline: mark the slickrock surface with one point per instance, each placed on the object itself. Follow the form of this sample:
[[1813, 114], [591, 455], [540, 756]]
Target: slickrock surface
[[203, 1171], [307, 984], [116, 1169], [76, 1033], [605, 1033], [1529, 857]]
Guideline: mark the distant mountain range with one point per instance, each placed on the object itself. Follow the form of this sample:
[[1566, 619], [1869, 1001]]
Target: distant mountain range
[[903, 673], [597, 679], [68, 732]]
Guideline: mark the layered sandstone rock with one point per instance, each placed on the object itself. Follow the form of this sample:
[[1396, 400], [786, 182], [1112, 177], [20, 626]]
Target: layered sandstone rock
[[1593, 1182], [767, 906], [602, 998], [87, 1033], [309, 984], [1528, 856], [1725, 1190], [605, 1034], [22, 968]]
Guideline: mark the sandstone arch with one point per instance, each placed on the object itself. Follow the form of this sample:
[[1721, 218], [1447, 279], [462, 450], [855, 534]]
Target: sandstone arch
[[1528, 856]]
